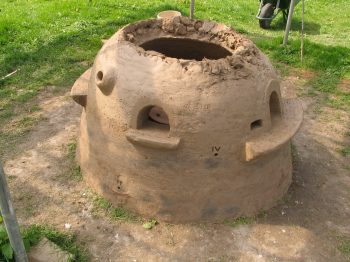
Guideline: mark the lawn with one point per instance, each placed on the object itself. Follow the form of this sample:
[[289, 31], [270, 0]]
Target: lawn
[[51, 43]]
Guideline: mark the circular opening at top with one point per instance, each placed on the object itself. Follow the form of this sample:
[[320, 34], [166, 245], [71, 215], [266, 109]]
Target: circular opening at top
[[99, 75], [186, 48]]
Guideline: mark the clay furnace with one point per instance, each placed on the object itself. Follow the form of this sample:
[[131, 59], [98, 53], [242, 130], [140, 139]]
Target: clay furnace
[[183, 120]]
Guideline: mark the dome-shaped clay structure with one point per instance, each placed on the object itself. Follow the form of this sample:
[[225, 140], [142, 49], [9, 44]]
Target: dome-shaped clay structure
[[183, 120]]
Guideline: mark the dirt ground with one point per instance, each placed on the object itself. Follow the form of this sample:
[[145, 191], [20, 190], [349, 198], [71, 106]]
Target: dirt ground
[[306, 226]]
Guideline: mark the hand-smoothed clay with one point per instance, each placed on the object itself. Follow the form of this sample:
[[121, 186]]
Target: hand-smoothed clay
[[183, 120]]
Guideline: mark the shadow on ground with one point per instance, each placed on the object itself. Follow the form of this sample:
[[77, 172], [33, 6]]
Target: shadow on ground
[[310, 27]]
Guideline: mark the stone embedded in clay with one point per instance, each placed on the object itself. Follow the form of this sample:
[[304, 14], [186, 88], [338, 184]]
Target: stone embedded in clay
[[207, 26]]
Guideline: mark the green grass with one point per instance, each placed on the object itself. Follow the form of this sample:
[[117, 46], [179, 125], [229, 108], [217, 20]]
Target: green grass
[[123, 214], [344, 246], [239, 221], [32, 236], [74, 171], [101, 203], [244, 220], [118, 214], [53, 42], [66, 242], [345, 151]]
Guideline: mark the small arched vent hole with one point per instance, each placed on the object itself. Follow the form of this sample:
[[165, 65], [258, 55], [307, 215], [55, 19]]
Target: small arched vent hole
[[275, 108], [256, 124], [153, 118]]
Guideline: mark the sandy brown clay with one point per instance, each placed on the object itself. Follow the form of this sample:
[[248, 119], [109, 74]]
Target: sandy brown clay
[[183, 120]]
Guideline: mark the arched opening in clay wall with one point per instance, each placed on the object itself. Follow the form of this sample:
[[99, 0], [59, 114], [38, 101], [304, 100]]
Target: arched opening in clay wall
[[275, 108], [186, 48], [153, 117]]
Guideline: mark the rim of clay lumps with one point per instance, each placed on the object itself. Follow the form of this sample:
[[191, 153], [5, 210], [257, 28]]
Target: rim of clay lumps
[[138, 33]]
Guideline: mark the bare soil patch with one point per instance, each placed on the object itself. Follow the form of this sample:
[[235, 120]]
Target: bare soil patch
[[305, 226], [344, 85]]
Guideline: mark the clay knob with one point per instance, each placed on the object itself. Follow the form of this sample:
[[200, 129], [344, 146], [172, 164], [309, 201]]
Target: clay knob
[[105, 78]]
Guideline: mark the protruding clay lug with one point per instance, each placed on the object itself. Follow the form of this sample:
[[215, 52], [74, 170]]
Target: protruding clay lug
[[105, 78], [147, 140], [80, 88], [280, 134]]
